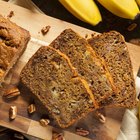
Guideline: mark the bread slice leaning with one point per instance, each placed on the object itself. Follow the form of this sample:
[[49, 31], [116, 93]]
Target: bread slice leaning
[[87, 63], [112, 48], [50, 76]]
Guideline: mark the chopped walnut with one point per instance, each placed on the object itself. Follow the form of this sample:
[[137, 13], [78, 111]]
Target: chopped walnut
[[132, 27], [45, 30], [82, 132], [57, 136], [11, 14]]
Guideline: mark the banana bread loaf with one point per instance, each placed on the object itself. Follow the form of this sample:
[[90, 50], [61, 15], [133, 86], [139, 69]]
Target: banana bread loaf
[[112, 48], [13, 41], [88, 65], [50, 76]]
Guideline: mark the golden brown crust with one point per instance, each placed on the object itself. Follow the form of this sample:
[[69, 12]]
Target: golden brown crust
[[85, 83], [13, 41]]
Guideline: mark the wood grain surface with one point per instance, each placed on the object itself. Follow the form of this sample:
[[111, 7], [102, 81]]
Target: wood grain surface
[[29, 124]]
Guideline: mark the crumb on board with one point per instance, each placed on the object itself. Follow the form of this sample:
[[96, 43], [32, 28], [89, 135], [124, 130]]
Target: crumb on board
[[11, 14], [45, 30], [86, 35]]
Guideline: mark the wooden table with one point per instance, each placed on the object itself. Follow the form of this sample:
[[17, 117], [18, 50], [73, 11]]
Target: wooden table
[[29, 124]]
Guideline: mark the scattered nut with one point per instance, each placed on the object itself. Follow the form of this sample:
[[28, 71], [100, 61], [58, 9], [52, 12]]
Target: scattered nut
[[10, 14], [12, 112], [18, 136], [31, 108], [100, 117], [82, 132], [45, 30], [57, 136], [12, 92], [44, 122], [132, 27], [86, 35]]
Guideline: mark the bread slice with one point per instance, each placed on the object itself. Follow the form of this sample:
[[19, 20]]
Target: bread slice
[[13, 42], [112, 48], [50, 76], [86, 62]]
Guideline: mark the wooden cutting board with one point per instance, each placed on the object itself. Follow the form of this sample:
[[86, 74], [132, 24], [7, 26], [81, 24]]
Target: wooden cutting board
[[34, 22]]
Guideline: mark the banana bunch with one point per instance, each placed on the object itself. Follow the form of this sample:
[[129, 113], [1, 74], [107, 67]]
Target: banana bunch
[[87, 10], [122, 8]]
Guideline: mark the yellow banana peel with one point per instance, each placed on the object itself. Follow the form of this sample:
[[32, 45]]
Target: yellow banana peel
[[123, 8], [85, 10], [138, 2]]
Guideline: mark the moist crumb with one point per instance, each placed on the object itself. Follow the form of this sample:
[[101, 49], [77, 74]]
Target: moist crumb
[[11, 14], [45, 30], [49, 76], [84, 59], [119, 65]]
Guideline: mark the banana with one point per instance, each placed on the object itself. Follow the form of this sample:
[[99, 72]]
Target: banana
[[85, 10], [138, 2], [123, 8]]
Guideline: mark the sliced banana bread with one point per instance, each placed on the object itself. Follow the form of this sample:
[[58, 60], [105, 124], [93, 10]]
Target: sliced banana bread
[[13, 42], [88, 65], [112, 48], [50, 76]]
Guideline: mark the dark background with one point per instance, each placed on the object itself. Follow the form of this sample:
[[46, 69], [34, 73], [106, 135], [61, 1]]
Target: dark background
[[110, 22]]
